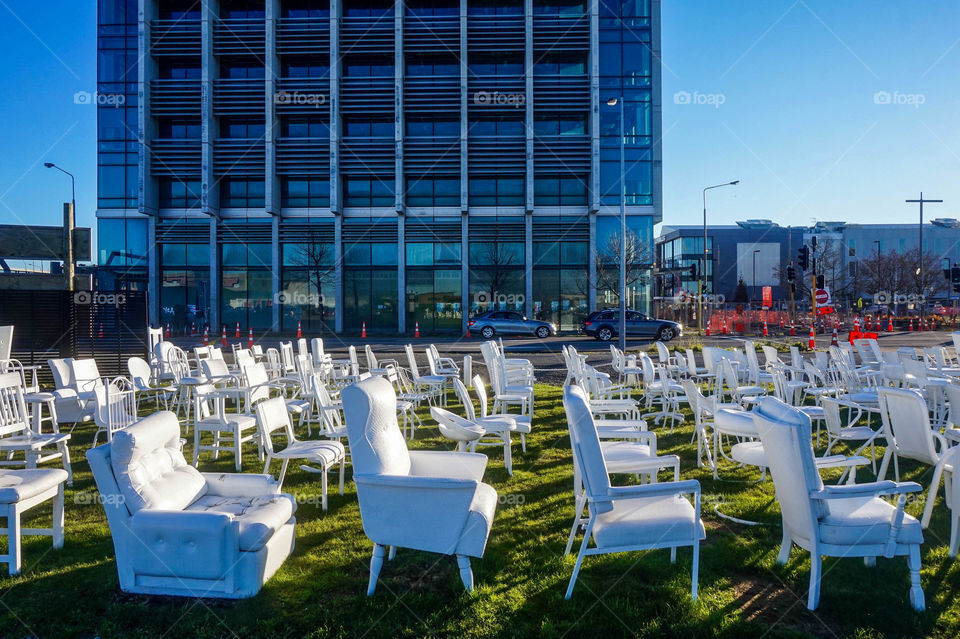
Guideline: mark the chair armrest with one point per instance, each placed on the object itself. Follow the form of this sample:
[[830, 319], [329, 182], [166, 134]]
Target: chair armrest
[[876, 488], [841, 461], [64, 394], [417, 482], [685, 487], [240, 484], [448, 464], [168, 543], [157, 521]]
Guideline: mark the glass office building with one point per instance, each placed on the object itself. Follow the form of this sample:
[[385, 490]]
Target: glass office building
[[413, 162]]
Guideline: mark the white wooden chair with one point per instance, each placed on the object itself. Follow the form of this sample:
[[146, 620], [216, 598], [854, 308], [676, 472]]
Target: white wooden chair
[[836, 521]]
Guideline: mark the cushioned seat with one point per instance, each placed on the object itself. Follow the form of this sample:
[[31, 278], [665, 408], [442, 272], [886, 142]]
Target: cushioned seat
[[735, 422], [865, 521], [19, 485], [259, 517], [645, 521]]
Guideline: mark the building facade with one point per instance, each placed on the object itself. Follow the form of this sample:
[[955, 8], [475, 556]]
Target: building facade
[[752, 251], [336, 163]]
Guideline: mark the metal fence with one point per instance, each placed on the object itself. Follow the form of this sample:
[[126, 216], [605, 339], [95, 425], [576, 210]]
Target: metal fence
[[107, 326]]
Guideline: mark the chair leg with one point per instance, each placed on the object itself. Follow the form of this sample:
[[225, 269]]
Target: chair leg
[[13, 539], [466, 573], [196, 446], [323, 485], [65, 454], [785, 547], [376, 563], [673, 555], [507, 453], [916, 592], [283, 473], [392, 553], [580, 555], [694, 580], [58, 518], [932, 495], [816, 566], [236, 447], [343, 463], [576, 524]]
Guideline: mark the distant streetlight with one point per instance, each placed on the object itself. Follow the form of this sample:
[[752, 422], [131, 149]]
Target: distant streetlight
[[703, 269], [69, 220], [73, 190], [623, 229], [755, 251]]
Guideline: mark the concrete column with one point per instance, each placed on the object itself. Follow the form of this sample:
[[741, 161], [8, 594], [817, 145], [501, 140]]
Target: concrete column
[[401, 274], [335, 204], [209, 187], [464, 184], [272, 124], [153, 273], [146, 126], [528, 265], [272, 196], [465, 270], [594, 202], [338, 269], [592, 264], [528, 104], [215, 278]]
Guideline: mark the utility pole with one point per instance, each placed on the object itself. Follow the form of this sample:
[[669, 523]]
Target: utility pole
[[813, 280], [921, 202]]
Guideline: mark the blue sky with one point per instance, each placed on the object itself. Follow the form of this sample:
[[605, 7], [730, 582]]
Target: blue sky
[[782, 95]]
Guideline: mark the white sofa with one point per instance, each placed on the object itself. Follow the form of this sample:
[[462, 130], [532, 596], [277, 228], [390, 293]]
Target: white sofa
[[421, 499], [177, 531]]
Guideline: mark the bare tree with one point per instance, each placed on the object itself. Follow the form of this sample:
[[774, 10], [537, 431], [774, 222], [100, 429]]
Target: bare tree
[[499, 262], [901, 273], [638, 259]]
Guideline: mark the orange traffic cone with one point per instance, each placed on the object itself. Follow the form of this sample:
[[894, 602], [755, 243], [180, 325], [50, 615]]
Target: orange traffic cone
[[889, 323], [793, 330], [856, 324], [166, 333], [833, 338], [812, 343], [708, 329], [363, 330], [223, 337], [765, 333], [193, 329], [724, 326], [299, 332], [910, 326], [100, 334], [206, 336], [416, 330], [238, 331], [250, 339]]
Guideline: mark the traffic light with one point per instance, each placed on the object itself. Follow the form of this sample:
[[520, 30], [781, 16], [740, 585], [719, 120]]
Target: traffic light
[[791, 274], [803, 257], [820, 281], [693, 271]]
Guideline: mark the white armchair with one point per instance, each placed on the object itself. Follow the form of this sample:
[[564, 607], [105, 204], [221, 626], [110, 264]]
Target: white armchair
[[837, 521], [424, 500], [177, 531]]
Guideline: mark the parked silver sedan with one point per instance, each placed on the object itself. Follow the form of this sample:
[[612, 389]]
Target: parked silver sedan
[[493, 323]]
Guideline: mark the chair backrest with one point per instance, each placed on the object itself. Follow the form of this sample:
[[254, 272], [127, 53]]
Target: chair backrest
[[140, 372], [412, 361], [377, 446], [149, 467], [115, 405], [796, 359], [302, 346], [691, 361], [481, 390], [431, 362], [286, 357], [272, 416], [213, 368], [86, 375], [242, 357], [953, 401], [202, 352], [694, 398], [273, 362], [161, 351], [907, 423], [463, 395], [62, 373], [216, 353], [257, 381], [586, 447], [371, 358], [785, 434], [316, 346], [154, 337], [771, 355], [14, 417], [663, 353]]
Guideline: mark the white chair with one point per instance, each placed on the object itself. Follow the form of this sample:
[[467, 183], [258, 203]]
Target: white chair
[[272, 416], [431, 384], [21, 490], [115, 407], [906, 426], [424, 500], [16, 435], [457, 429], [836, 521], [498, 428], [628, 518], [70, 407], [141, 376], [180, 532], [377, 366], [230, 430]]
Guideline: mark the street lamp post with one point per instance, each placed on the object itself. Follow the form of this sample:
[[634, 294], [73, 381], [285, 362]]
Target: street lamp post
[[703, 268], [69, 220], [755, 251], [622, 331]]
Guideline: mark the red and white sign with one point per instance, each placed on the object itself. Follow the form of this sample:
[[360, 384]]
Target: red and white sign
[[767, 296], [823, 297]]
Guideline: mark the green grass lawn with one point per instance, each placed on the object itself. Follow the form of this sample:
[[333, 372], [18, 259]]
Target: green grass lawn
[[520, 582]]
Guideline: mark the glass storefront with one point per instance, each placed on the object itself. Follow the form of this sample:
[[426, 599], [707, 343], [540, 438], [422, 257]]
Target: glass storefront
[[184, 286], [496, 277], [246, 288], [370, 287], [433, 289], [639, 258], [560, 283]]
